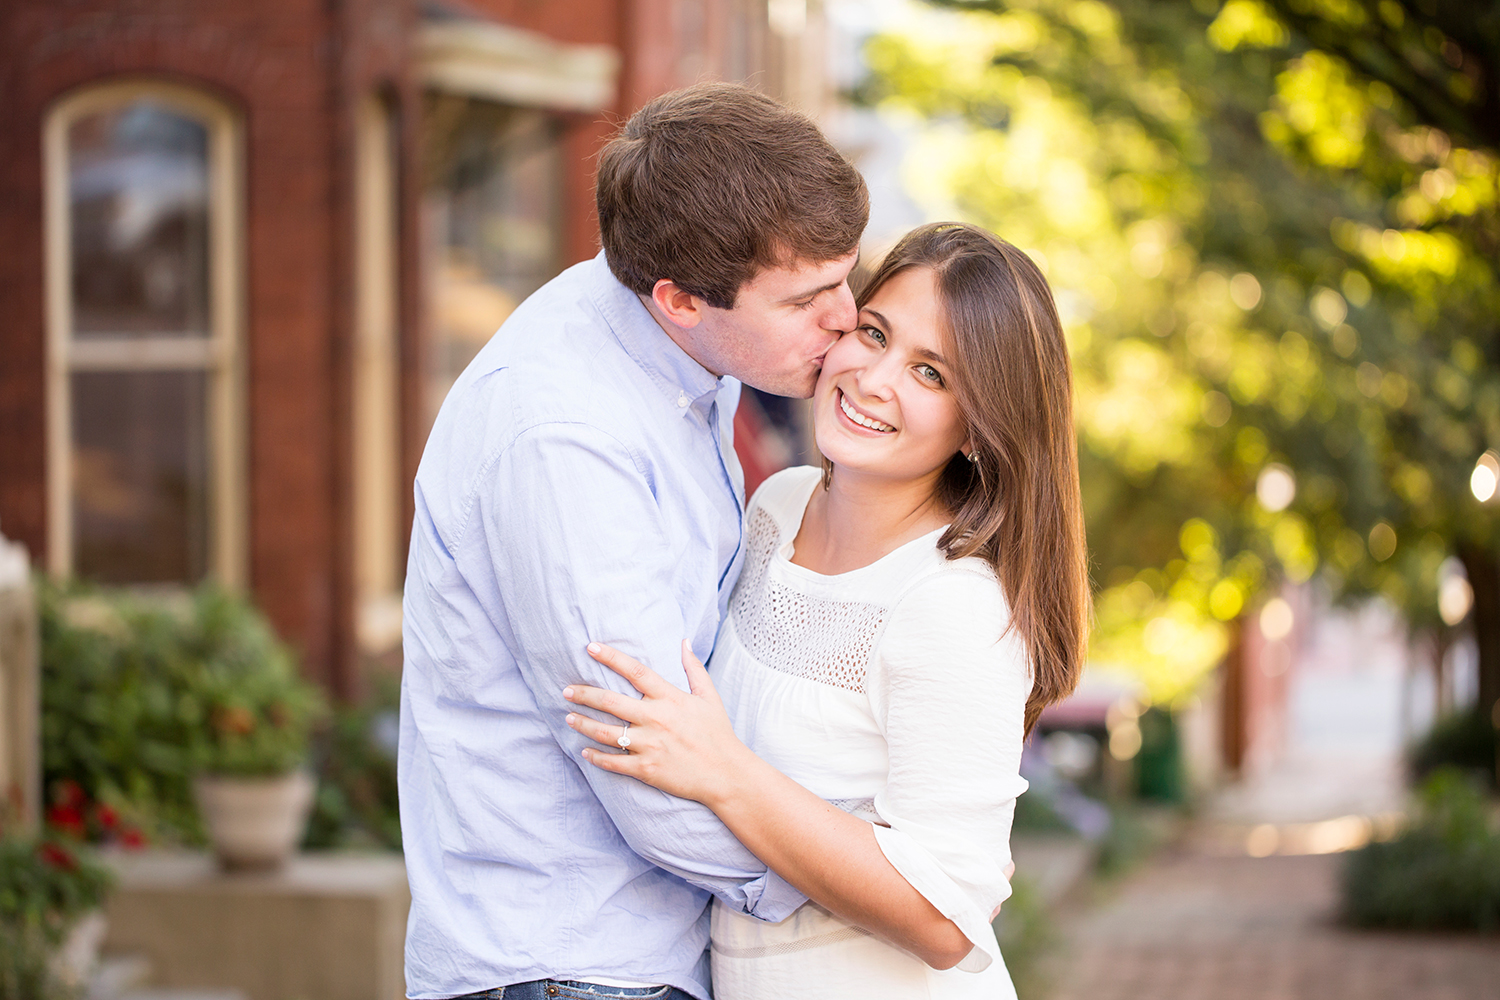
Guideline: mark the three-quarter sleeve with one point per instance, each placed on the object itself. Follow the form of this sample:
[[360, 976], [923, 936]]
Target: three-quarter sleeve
[[949, 693]]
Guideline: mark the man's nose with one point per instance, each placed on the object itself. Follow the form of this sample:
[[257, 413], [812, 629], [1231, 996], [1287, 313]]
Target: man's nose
[[842, 315]]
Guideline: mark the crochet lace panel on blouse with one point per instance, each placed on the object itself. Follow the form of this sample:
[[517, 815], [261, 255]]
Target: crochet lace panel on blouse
[[808, 637]]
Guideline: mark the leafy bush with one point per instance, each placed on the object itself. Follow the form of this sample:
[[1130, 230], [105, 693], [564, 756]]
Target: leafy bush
[[1465, 740], [45, 885], [141, 694], [355, 759], [1443, 872]]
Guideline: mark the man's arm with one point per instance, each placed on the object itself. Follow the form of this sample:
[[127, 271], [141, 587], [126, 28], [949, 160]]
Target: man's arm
[[580, 553]]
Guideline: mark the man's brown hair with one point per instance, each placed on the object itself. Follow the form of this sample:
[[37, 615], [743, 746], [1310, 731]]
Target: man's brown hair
[[709, 185]]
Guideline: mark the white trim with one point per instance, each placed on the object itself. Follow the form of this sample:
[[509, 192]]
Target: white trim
[[220, 353], [499, 63], [149, 354], [376, 384]]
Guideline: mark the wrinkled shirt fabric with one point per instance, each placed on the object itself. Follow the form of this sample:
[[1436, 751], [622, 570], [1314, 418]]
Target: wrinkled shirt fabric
[[579, 484]]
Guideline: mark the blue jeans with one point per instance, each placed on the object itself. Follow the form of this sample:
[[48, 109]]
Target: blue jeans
[[561, 989]]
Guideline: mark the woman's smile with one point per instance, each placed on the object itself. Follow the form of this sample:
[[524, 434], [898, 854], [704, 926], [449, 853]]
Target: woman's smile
[[859, 417]]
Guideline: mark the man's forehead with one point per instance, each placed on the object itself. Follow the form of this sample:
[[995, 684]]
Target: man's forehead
[[803, 276]]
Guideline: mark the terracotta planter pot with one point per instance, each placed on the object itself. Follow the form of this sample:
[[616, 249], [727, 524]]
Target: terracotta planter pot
[[254, 822]]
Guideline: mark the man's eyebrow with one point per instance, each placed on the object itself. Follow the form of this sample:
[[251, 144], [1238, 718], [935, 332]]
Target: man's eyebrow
[[813, 293]]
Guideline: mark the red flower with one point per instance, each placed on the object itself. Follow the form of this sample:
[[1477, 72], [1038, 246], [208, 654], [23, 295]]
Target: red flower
[[69, 819], [57, 856], [132, 838], [107, 817], [236, 720]]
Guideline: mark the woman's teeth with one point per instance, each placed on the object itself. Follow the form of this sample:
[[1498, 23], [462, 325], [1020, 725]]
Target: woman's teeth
[[861, 419]]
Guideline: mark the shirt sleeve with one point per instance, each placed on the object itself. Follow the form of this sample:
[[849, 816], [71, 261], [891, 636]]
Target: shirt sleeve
[[949, 693], [580, 553]]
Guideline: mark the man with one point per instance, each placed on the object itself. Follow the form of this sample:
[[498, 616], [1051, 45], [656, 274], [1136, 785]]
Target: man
[[580, 484]]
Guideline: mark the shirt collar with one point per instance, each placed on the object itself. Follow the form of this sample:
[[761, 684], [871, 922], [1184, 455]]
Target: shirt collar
[[684, 382]]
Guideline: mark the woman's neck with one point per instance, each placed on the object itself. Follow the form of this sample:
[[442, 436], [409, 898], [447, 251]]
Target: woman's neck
[[859, 519]]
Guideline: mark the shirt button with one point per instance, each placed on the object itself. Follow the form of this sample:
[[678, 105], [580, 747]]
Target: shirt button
[[682, 399]]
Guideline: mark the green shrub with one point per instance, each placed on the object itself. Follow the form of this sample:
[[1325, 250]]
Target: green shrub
[[1443, 872], [45, 885], [1465, 740], [355, 761], [141, 694]]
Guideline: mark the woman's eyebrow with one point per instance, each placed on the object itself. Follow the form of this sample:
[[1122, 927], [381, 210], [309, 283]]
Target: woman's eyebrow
[[878, 318]]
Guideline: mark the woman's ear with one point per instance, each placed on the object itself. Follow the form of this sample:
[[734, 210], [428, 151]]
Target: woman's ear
[[683, 308]]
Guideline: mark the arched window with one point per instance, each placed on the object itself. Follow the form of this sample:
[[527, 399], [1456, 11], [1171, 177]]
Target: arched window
[[145, 308]]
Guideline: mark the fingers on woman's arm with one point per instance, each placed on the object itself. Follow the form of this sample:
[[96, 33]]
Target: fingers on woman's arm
[[616, 704], [642, 678], [595, 730]]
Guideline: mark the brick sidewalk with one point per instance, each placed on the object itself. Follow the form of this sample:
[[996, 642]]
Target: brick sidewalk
[[1193, 926]]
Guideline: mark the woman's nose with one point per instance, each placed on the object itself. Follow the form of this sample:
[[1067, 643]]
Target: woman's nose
[[876, 378]]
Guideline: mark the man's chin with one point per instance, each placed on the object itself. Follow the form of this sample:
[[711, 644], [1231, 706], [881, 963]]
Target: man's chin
[[792, 387]]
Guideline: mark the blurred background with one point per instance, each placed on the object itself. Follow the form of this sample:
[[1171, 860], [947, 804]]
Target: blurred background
[[246, 248]]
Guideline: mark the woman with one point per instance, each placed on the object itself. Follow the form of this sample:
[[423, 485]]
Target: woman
[[902, 619]]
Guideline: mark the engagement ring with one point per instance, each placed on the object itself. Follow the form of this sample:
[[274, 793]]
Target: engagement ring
[[624, 740]]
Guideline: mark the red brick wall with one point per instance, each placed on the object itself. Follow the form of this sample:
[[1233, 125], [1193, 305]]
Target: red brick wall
[[293, 71]]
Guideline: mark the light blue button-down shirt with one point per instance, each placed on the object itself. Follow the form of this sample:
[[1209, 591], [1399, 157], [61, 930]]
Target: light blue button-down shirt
[[579, 484]]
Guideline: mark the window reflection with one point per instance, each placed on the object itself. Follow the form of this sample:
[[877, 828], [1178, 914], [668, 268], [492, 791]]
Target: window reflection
[[138, 182], [140, 476], [493, 178]]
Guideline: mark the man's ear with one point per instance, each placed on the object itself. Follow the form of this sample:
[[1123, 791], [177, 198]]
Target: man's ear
[[684, 309]]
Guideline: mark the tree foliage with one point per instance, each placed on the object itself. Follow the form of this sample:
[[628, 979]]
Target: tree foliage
[[1273, 241]]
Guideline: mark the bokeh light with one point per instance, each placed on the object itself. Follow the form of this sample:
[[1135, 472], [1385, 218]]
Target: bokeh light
[[1276, 487]]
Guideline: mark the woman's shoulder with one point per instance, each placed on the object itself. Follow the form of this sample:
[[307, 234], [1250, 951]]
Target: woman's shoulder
[[784, 494], [964, 592]]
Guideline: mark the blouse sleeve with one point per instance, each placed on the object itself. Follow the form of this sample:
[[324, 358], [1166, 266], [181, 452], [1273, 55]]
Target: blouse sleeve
[[950, 694]]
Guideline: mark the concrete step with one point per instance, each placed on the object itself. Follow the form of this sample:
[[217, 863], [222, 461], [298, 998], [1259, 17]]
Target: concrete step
[[117, 975]]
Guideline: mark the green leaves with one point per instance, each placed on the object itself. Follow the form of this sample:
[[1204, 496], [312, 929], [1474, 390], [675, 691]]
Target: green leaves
[[1265, 252], [139, 695]]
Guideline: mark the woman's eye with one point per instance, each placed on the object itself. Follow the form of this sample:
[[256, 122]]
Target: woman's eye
[[930, 373], [874, 334]]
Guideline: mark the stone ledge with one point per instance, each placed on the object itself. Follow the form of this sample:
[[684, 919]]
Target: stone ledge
[[326, 927]]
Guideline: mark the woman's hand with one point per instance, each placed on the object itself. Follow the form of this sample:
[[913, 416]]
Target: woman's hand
[[680, 742]]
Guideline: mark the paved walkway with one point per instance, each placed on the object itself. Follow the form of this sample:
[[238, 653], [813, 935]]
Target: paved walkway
[[1195, 925]]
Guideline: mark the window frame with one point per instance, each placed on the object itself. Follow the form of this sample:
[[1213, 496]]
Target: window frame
[[221, 355]]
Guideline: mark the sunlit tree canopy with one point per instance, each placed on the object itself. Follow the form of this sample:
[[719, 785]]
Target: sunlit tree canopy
[[1277, 271]]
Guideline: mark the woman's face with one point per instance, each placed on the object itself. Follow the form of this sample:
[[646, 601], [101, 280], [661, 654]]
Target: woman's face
[[882, 406]]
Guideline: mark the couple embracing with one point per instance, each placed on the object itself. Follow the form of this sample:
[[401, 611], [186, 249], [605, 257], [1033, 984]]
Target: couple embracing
[[585, 812]]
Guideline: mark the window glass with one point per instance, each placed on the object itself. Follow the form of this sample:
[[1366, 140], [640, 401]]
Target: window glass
[[138, 183], [140, 475], [491, 207]]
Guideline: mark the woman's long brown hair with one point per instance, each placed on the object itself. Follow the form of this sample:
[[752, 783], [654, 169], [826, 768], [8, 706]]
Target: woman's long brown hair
[[1017, 506]]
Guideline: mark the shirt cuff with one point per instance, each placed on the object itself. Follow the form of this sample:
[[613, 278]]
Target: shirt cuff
[[772, 898], [922, 870]]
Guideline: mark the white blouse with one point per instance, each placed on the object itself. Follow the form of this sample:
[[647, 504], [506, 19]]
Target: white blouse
[[894, 692]]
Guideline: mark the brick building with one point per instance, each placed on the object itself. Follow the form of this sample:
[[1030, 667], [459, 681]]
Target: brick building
[[245, 248]]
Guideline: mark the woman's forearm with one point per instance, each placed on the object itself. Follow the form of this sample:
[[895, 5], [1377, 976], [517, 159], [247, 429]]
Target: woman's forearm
[[834, 859]]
